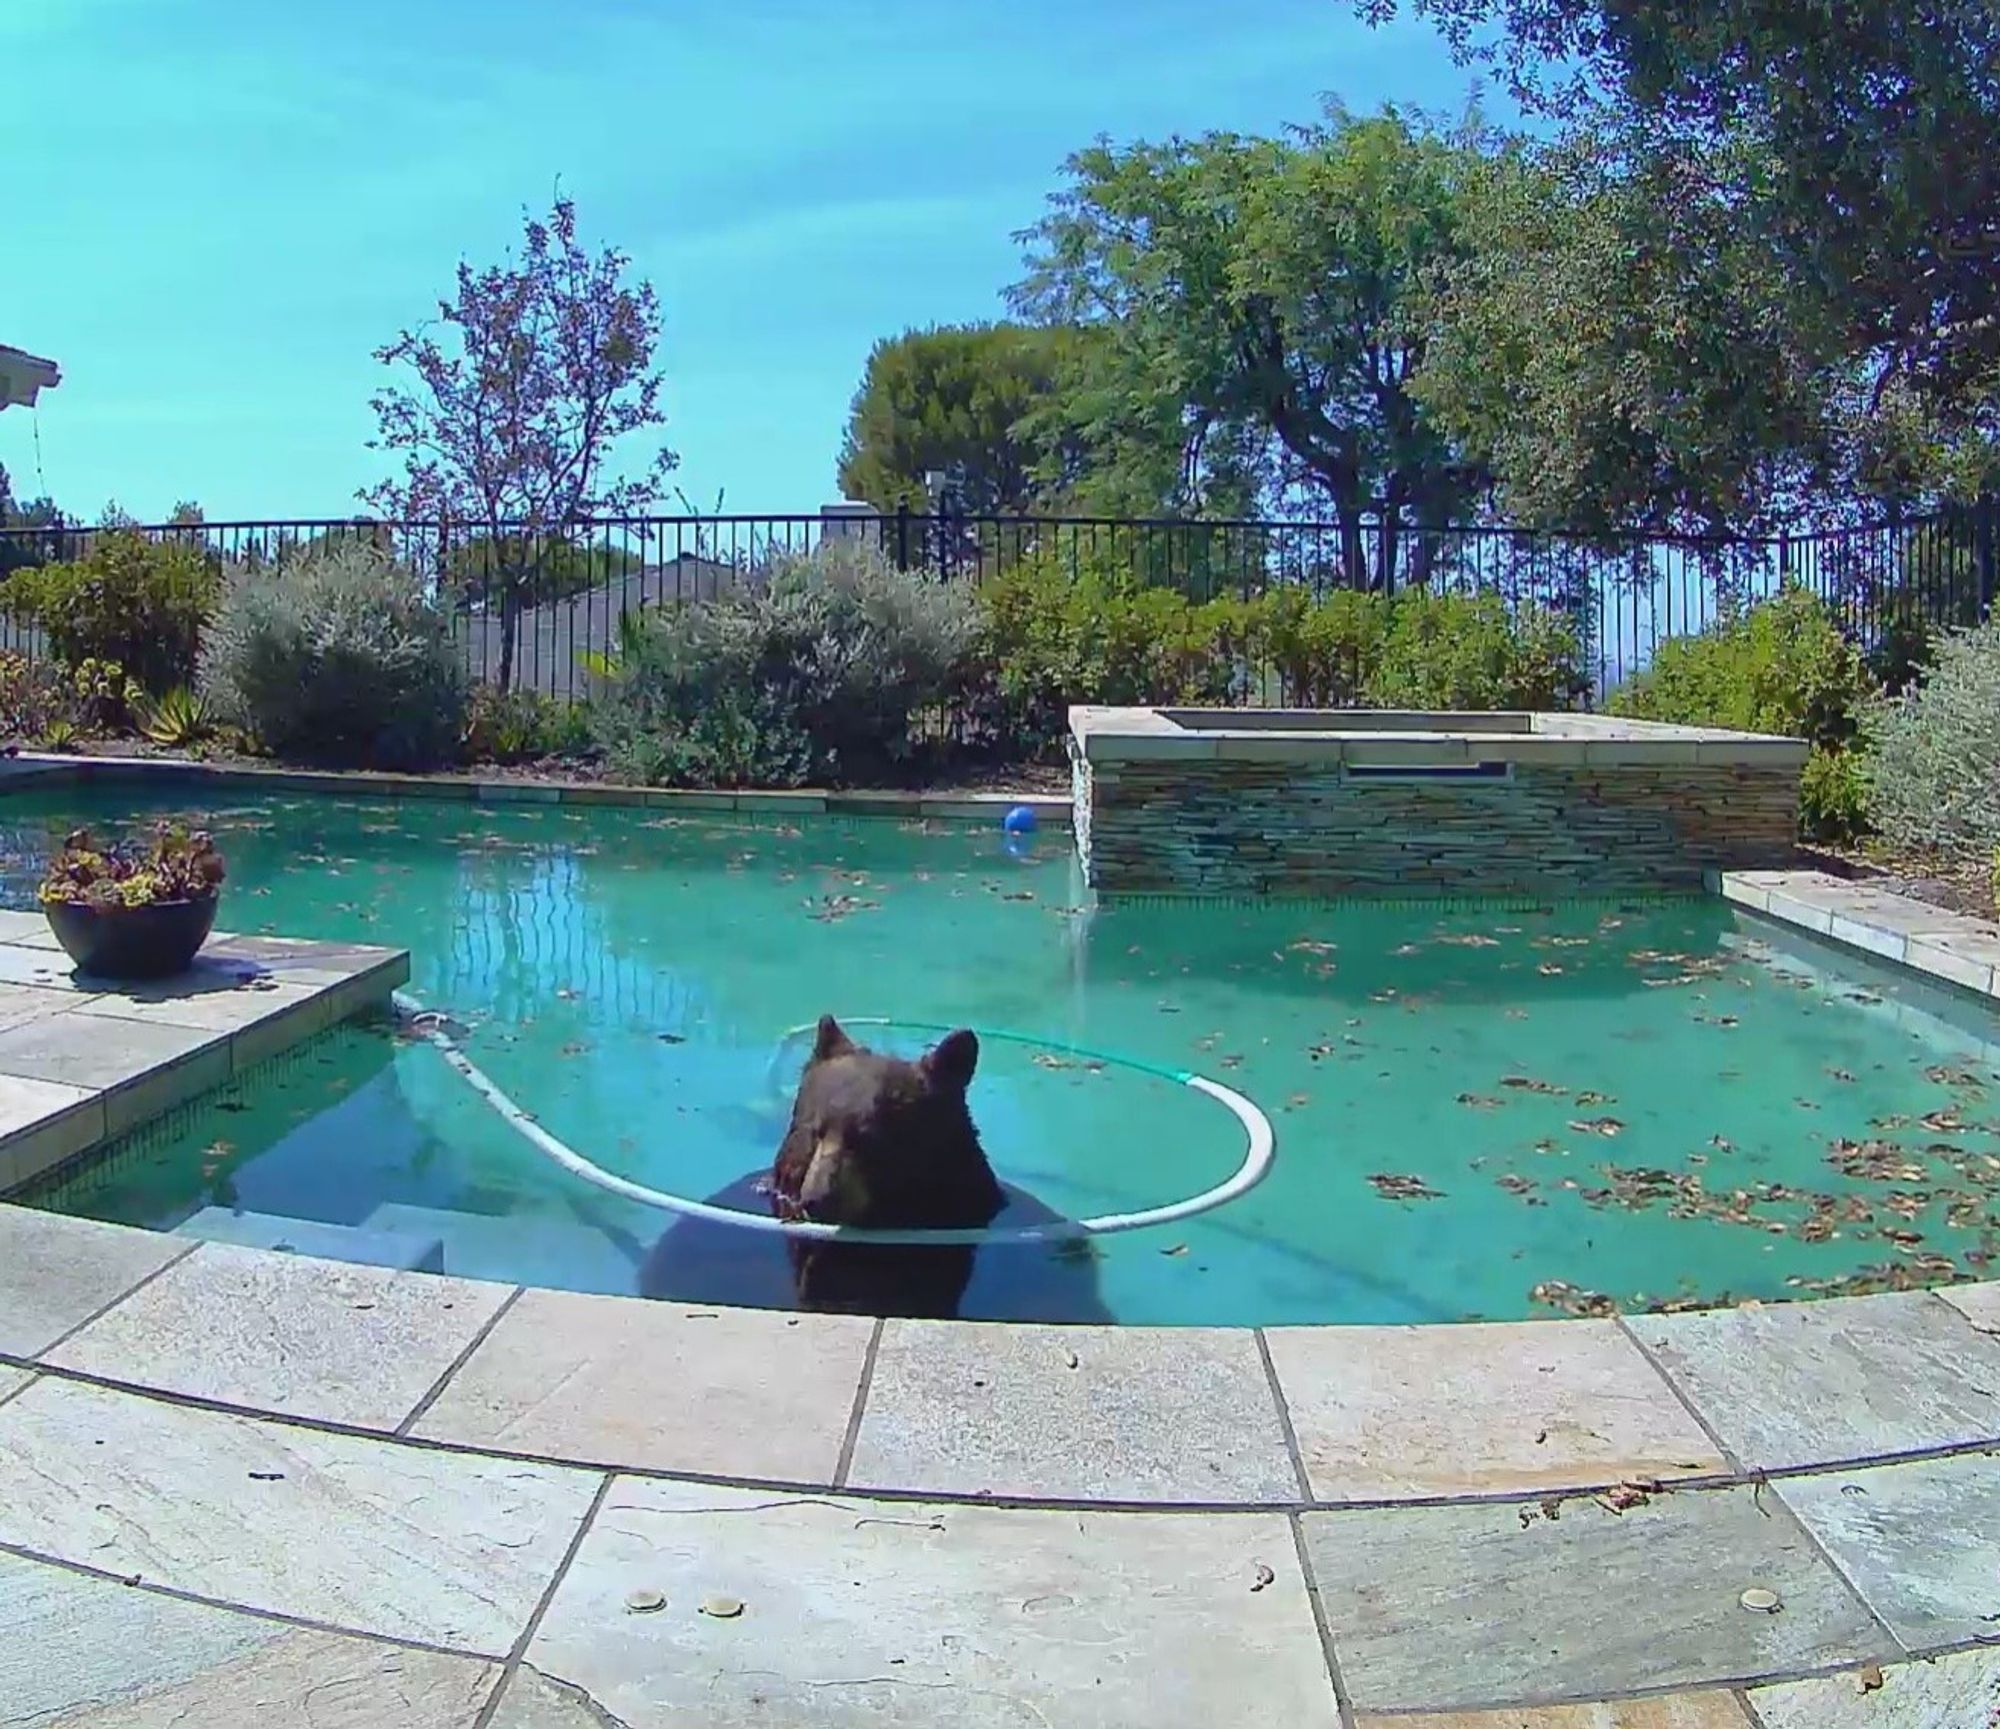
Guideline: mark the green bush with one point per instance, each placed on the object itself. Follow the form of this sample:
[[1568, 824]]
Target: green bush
[[1782, 666], [823, 668], [141, 604], [337, 656], [516, 726], [1324, 653], [1935, 770], [1054, 633], [1470, 651], [1055, 636]]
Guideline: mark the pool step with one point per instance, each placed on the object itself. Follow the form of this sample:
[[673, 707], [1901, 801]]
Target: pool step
[[410, 1251], [528, 1250]]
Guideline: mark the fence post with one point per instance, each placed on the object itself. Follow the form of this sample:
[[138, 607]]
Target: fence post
[[1982, 532], [903, 534]]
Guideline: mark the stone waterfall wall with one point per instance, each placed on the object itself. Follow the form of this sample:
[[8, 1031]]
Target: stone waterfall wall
[[1195, 826]]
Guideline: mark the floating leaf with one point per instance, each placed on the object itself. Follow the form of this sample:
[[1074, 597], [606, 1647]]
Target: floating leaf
[[1526, 1084], [1568, 1299], [1401, 1188], [1586, 1100], [1478, 1102], [1606, 1126]]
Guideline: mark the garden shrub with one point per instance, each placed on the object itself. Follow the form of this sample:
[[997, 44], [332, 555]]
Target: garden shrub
[[824, 667], [516, 726], [1782, 666], [1056, 632], [1471, 651], [338, 656], [1324, 652], [1056, 636], [138, 603], [1935, 769]]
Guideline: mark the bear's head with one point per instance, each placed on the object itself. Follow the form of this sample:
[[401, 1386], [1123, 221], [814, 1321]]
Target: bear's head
[[881, 1143]]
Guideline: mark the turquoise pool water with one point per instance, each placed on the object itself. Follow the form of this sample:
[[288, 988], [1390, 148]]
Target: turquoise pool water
[[1481, 1112]]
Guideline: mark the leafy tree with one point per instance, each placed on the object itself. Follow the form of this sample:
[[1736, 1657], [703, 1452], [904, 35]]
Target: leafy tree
[[19, 550], [957, 400], [1254, 296], [511, 436], [1622, 350], [1877, 125]]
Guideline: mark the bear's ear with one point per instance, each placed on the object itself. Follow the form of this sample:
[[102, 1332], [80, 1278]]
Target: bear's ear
[[951, 1062], [831, 1040]]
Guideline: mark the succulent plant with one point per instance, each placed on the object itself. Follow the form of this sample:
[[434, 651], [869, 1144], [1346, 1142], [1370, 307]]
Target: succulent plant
[[177, 866]]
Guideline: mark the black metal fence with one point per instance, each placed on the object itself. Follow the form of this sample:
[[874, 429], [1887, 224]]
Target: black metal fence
[[536, 609]]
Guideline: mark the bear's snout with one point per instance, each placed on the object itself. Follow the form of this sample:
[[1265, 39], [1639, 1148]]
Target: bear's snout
[[831, 1191]]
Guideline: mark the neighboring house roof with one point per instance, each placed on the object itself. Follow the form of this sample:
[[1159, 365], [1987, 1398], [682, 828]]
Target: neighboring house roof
[[554, 637], [23, 376]]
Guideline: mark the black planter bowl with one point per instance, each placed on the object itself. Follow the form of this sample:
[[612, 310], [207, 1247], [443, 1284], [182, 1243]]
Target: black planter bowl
[[150, 942]]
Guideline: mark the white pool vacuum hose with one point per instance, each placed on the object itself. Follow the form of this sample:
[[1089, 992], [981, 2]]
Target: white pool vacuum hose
[[1259, 1155]]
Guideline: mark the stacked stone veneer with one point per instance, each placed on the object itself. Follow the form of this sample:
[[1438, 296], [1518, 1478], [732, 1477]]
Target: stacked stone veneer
[[1161, 825]]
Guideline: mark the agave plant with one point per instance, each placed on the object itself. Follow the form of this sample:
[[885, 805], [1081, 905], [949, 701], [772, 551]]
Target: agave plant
[[180, 718]]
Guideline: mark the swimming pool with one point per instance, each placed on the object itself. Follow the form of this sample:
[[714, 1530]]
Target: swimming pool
[[1482, 1111]]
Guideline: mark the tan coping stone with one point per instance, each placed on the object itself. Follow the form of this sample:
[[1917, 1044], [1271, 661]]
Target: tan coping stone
[[1394, 1413], [680, 798], [656, 1386], [1956, 1692], [347, 1530], [1677, 1711], [329, 1341], [1979, 1304], [45, 1125], [159, 1089], [517, 792], [56, 1272]]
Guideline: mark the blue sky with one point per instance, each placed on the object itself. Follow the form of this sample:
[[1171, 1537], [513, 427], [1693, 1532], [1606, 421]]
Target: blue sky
[[216, 209]]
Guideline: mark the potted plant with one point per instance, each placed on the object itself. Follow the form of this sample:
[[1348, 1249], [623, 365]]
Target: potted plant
[[126, 913]]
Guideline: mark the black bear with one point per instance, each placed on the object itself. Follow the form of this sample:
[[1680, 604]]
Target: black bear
[[878, 1143]]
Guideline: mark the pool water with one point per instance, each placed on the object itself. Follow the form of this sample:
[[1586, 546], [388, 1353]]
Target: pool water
[[1481, 1111]]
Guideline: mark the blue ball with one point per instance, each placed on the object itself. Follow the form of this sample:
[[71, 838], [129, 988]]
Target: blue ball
[[1020, 820]]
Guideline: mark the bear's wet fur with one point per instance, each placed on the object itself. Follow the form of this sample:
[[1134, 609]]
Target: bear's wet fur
[[879, 1143]]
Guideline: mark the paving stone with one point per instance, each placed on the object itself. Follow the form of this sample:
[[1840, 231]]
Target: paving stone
[[20, 1004], [613, 1380], [1083, 1413], [26, 930], [1979, 1304], [225, 1010], [411, 1543], [56, 1272], [288, 1333], [81, 1051], [1388, 1413], [77, 1651], [1845, 1378], [12, 1381], [900, 1613], [1920, 1541], [1451, 1608], [48, 968], [1961, 1692], [1681, 1711], [42, 1123]]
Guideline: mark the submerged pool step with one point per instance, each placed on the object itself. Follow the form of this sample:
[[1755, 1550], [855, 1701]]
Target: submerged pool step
[[525, 1250], [369, 1244]]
